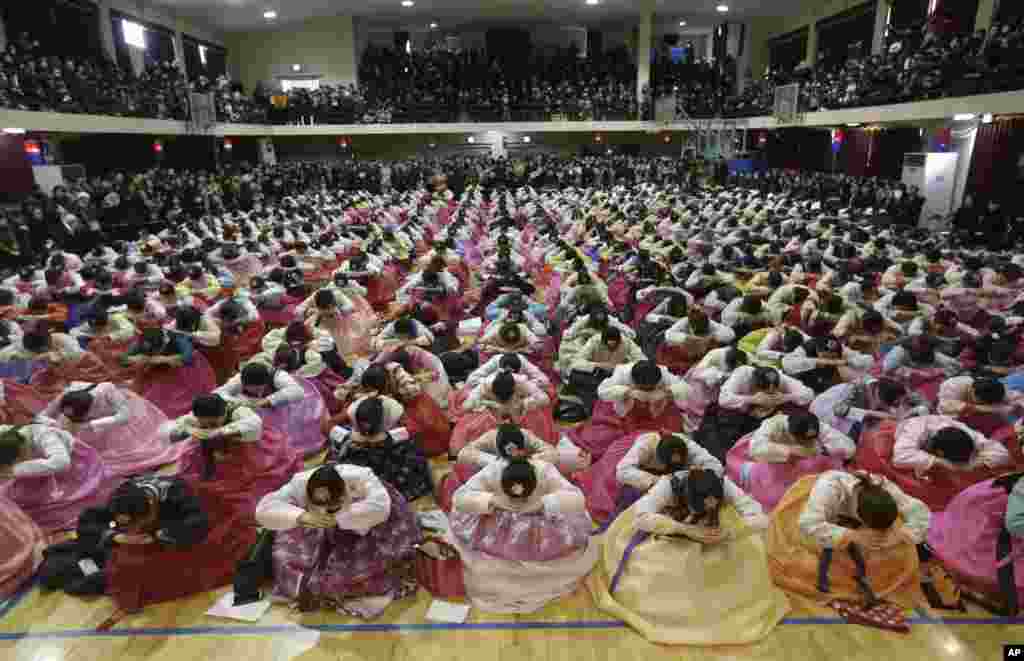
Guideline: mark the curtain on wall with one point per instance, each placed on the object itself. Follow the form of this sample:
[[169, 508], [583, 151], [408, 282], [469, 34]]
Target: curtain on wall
[[996, 169]]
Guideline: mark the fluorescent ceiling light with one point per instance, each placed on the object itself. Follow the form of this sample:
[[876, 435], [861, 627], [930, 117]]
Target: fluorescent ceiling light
[[15, 131], [722, 8], [682, 24], [433, 26], [986, 118], [408, 3], [470, 139], [296, 67], [202, 55], [593, 2], [853, 126], [964, 117], [270, 14], [526, 138]]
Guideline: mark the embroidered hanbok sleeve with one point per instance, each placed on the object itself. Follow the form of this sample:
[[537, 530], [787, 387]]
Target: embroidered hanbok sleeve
[[749, 509], [836, 443], [244, 423], [484, 372], [616, 387], [232, 390], [629, 471], [768, 443], [648, 509], [898, 357], [532, 396], [560, 495], [857, 360], [954, 395], [371, 509], [797, 362], [907, 450], [733, 394], [476, 495], [824, 502], [55, 446], [794, 391], [286, 389], [988, 453], [109, 397], [66, 347], [208, 334], [281, 509]]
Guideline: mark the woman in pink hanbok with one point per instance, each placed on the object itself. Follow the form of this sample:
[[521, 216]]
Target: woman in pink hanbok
[[505, 397], [782, 450], [292, 406], [51, 475], [523, 533], [119, 424]]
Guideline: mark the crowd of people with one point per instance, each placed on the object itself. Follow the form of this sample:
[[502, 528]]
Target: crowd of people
[[696, 400], [917, 63]]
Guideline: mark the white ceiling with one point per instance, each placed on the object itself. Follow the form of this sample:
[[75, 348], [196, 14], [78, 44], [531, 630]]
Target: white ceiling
[[235, 15]]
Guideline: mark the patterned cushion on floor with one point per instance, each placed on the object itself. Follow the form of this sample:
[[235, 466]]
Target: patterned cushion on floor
[[883, 615]]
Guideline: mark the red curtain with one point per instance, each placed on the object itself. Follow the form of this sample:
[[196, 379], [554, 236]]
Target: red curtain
[[997, 148], [16, 176], [861, 154]]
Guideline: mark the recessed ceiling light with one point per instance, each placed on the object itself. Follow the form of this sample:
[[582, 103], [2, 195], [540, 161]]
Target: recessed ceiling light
[[14, 131], [593, 2], [296, 67], [407, 3], [722, 8], [470, 139], [270, 14], [526, 138], [682, 24], [433, 26]]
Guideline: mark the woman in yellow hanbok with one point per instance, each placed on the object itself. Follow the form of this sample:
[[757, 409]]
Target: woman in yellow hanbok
[[686, 565]]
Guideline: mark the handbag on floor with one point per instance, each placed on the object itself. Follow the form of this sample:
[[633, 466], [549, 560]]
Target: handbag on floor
[[439, 569], [255, 569]]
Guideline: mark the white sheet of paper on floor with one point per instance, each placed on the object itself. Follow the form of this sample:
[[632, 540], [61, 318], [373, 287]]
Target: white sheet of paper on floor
[[434, 520], [445, 611], [225, 607], [88, 566]]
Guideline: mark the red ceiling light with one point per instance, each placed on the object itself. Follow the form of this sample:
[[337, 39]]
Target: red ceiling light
[[229, 144], [158, 146], [598, 137], [32, 147], [667, 138]]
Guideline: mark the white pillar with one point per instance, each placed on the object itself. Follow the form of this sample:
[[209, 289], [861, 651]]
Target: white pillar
[[812, 46], [3, 34], [643, 51], [107, 30], [882, 9], [179, 47], [986, 13]]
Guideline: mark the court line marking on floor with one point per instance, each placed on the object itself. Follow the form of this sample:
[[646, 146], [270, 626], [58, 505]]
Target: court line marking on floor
[[256, 630]]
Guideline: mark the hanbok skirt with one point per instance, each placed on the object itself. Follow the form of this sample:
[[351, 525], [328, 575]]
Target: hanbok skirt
[[603, 492], [20, 404], [522, 536], [20, 370], [680, 592], [340, 565], [326, 383], [21, 548], [301, 422], [936, 488], [500, 584], [52, 379], [248, 472], [793, 558], [924, 380], [110, 353], [676, 359], [606, 426], [136, 445], [149, 574], [964, 538], [749, 344], [475, 424], [768, 482], [429, 425], [400, 464], [277, 317], [172, 389], [55, 501]]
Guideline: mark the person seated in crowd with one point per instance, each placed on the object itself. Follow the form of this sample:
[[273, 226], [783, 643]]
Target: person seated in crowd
[[523, 533], [701, 530], [344, 540], [857, 406], [931, 457], [295, 409], [375, 440], [120, 425], [51, 475], [876, 528], [783, 449]]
